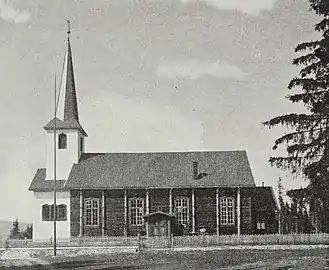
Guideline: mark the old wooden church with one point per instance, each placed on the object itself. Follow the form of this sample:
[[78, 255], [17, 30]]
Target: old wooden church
[[117, 194]]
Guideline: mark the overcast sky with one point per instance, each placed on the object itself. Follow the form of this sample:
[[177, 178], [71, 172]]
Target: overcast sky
[[151, 75]]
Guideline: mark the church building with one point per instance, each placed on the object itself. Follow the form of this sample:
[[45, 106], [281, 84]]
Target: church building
[[116, 194]]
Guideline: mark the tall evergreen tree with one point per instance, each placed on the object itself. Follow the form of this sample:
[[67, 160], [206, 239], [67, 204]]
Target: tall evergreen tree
[[15, 232], [307, 144]]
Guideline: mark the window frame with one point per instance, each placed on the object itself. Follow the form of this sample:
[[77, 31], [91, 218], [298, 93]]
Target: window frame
[[179, 214], [47, 212], [227, 211], [93, 209], [62, 141], [261, 225], [139, 214], [82, 144]]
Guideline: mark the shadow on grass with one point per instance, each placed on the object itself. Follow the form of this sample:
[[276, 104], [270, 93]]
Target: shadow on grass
[[72, 265], [86, 264]]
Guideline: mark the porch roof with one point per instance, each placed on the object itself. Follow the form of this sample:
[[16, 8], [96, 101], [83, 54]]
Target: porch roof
[[40, 184]]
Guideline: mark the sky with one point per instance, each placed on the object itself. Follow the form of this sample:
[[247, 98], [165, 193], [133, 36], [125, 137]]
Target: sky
[[151, 75]]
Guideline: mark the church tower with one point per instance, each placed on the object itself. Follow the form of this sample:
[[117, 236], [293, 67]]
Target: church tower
[[70, 136]]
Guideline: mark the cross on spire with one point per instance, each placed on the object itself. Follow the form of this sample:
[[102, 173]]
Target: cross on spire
[[68, 27]]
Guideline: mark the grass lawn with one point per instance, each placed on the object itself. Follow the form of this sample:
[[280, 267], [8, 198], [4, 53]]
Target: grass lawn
[[220, 259]]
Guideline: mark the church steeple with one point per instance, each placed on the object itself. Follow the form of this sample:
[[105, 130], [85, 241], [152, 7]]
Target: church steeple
[[69, 134], [71, 105], [67, 105]]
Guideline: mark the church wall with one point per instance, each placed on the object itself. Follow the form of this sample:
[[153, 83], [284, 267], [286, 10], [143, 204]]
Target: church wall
[[253, 208], [159, 200], [205, 210], [75, 213], [65, 157], [114, 208], [43, 230]]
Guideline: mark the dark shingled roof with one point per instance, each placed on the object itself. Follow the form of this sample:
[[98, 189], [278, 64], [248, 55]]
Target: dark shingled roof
[[40, 184], [71, 104], [160, 170]]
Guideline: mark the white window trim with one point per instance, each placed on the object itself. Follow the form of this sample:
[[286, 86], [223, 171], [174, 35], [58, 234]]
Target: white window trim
[[225, 222], [261, 225], [62, 136], [50, 216], [93, 209], [187, 207], [143, 211]]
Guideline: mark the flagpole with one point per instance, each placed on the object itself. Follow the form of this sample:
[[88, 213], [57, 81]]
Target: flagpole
[[55, 146]]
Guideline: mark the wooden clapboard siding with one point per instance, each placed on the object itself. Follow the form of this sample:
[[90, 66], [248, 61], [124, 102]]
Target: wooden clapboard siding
[[159, 200], [114, 209], [205, 209], [254, 206], [75, 212]]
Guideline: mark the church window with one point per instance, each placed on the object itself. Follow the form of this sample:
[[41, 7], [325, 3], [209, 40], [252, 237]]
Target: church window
[[136, 210], [92, 211], [48, 212], [182, 210], [81, 144], [226, 211], [62, 141]]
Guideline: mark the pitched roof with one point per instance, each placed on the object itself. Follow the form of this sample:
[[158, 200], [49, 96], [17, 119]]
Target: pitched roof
[[161, 170], [62, 125], [40, 184]]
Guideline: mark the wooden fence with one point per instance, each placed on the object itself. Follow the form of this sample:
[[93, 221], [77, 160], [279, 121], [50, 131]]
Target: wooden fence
[[264, 239], [176, 241]]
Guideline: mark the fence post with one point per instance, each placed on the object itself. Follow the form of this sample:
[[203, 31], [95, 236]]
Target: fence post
[[171, 241], [139, 242], [7, 244]]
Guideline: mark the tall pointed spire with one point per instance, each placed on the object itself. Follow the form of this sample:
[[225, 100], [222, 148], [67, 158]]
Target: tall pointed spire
[[71, 105], [67, 105]]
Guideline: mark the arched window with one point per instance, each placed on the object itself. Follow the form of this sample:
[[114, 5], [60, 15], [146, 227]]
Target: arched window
[[227, 211], [61, 212], [182, 210], [46, 212], [62, 141], [136, 210]]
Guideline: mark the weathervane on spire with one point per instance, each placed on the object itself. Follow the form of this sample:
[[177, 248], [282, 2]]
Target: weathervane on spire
[[68, 27]]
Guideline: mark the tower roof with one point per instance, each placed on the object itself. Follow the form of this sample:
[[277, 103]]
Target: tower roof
[[71, 104], [67, 105]]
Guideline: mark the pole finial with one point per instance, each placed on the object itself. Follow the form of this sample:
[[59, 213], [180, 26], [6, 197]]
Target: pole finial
[[68, 27]]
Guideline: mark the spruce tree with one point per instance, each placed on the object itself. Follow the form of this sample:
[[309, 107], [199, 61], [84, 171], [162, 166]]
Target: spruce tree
[[307, 142], [15, 232]]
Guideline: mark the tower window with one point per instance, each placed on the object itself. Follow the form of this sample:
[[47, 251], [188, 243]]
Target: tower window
[[62, 141], [81, 144]]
